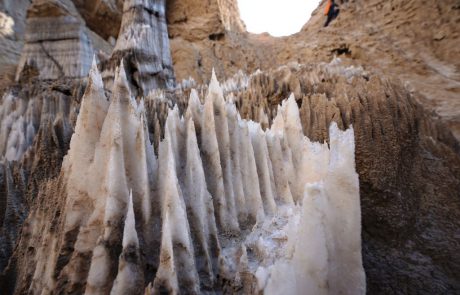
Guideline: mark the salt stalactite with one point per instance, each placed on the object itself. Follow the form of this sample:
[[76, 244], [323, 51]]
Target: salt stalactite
[[55, 35], [224, 206]]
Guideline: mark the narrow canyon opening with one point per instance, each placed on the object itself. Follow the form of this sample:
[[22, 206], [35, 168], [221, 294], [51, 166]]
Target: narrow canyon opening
[[269, 16]]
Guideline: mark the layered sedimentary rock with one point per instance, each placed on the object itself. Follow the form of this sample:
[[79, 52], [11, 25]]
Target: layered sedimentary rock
[[143, 45], [56, 41], [12, 27], [216, 211]]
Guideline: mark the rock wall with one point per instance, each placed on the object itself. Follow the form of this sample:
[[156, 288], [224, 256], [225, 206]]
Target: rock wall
[[411, 40], [101, 16], [56, 41], [143, 45]]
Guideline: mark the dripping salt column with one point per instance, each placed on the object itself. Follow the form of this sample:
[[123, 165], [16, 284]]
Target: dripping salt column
[[144, 45]]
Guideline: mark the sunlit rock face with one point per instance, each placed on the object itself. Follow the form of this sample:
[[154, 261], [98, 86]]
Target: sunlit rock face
[[56, 41], [226, 206]]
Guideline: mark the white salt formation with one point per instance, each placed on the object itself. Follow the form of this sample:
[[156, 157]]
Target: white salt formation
[[225, 208], [21, 119]]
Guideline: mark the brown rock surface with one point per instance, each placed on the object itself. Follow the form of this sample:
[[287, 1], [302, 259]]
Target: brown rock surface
[[411, 40], [101, 16]]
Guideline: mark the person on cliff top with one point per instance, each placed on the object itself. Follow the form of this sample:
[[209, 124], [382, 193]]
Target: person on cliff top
[[331, 11]]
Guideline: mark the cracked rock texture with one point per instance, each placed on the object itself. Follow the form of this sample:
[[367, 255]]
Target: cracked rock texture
[[56, 41]]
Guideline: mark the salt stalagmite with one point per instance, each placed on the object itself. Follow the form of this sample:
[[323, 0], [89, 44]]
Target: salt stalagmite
[[226, 205], [130, 277], [177, 265]]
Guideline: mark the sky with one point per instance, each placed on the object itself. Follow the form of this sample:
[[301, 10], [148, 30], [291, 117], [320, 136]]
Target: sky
[[277, 17]]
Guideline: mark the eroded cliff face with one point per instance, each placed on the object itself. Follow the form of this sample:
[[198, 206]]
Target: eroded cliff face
[[407, 159], [143, 46], [56, 42], [411, 40]]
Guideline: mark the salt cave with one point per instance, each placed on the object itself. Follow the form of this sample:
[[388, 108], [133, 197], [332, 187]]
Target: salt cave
[[225, 207]]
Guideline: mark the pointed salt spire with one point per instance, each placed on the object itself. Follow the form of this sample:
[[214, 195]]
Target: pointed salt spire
[[147, 168], [92, 114], [88, 128], [215, 95], [250, 178], [235, 145], [296, 142], [130, 277], [116, 182], [121, 88], [280, 168], [174, 130], [212, 164], [94, 75], [177, 265], [223, 140], [195, 109], [293, 124], [344, 217], [263, 167], [115, 194], [194, 98], [198, 201], [214, 89], [129, 232]]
